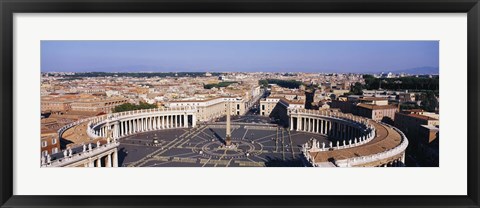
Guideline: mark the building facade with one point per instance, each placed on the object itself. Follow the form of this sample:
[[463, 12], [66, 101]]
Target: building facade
[[209, 109]]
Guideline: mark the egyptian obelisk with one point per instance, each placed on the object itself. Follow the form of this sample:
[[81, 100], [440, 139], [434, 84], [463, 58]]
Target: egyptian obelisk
[[228, 140]]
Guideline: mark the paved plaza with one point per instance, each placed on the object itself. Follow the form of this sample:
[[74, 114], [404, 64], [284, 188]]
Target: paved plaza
[[258, 143]]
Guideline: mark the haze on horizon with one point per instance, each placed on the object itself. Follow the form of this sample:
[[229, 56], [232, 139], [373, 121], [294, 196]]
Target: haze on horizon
[[238, 56]]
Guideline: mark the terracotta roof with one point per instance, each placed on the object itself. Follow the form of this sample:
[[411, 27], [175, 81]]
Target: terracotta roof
[[82, 113], [421, 117], [376, 107], [205, 100], [386, 138], [48, 120]]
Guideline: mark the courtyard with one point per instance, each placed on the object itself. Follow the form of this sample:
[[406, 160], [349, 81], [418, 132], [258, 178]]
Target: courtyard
[[257, 143]]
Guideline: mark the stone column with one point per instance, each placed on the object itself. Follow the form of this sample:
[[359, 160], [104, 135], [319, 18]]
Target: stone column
[[175, 121], [228, 127], [167, 122], [147, 124], [115, 158], [122, 128], [299, 123], [194, 120], [134, 125], [130, 128], [108, 163], [99, 162], [179, 121], [159, 122], [151, 123], [320, 126], [185, 121], [125, 127], [305, 122], [114, 130], [312, 120], [329, 126], [324, 126], [90, 163], [140, 124], [154, 123], [163, 122], [291, 122], [308, 124]]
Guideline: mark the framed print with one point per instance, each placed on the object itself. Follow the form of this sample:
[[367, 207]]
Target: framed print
[[260, 103]]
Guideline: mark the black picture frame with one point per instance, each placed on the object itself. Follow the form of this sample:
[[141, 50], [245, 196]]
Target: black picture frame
[[10, 7]]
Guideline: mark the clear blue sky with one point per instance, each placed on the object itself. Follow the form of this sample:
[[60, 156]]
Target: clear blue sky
[[243, 56]]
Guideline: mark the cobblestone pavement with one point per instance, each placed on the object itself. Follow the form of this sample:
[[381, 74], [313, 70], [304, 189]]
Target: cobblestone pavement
[[257, 144]]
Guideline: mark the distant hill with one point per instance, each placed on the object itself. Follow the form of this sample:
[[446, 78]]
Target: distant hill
[[419, 70]]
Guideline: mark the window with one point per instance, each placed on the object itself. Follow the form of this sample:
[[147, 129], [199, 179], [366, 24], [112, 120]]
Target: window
[[44, 143], [54, 141], [54, 150], [45, 153]]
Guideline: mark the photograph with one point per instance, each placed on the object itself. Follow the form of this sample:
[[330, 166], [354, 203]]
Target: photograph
[[239, 103]]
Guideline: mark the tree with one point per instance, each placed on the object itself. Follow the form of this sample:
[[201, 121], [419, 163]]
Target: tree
[[130, 107], [263, 83], [357, 89], [429, 102], [291, 84]]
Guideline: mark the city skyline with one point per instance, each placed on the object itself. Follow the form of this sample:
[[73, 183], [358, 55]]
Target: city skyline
[[240, 56]]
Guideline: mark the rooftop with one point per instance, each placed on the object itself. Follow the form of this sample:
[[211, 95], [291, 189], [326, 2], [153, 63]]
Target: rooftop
[[376, 107]]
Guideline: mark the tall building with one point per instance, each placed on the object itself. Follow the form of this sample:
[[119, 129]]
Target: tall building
[[375, 108], [422, 130], [49, 142], [208, 109]]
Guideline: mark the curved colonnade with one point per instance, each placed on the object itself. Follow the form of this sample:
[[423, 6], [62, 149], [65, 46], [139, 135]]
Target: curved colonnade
[[354, 140], [132, 122], [107, 129]]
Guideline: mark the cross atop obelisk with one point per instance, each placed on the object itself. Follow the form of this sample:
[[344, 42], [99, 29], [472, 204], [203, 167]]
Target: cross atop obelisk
[[228, 140]]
